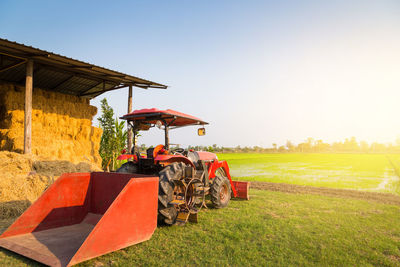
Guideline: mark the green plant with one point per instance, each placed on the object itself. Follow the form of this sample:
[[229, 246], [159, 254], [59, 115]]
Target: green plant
[[119, 138], [114, 136]]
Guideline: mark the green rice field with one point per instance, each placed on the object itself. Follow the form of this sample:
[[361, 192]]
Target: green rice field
[[369, 172]]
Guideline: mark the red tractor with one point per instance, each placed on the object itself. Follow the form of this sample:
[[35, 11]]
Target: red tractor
[[85, 215], [185, 176]]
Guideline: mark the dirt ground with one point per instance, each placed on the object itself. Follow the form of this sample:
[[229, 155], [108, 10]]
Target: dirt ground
[[344, 193]]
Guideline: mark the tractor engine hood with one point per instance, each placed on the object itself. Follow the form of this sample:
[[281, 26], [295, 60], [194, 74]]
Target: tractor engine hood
[[207, 156]]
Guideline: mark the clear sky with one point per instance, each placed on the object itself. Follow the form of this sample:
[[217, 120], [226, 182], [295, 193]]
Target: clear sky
[[260, 72]]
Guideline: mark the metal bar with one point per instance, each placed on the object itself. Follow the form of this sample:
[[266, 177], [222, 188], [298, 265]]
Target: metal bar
[[86, 90], [2, 53], [28, 108], [113, 75], [86, 74], [146, 86], [69, 71], [36, 68], [121, 86], [103, 91], [137, 85], [82, 67], [157, 87], [12, 66], [39, 55], [63, 82]]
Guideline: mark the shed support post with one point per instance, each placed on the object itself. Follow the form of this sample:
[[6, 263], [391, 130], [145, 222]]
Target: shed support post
[[28, 108], [129, 111]]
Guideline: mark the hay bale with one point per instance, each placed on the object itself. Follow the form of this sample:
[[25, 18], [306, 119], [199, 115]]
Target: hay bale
[[61, 125], [15, 163], [18, 186], [13, 209], [24, 178]]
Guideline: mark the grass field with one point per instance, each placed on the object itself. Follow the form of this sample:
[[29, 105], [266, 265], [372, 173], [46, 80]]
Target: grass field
[[283, 225], [273, 228], [371, 172], [276, 228]]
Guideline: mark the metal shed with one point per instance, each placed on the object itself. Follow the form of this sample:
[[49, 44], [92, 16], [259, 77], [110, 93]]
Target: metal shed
[[25, 65]]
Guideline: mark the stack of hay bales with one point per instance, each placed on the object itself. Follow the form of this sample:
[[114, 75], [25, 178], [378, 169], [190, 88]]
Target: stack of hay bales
[[25, 177], [61, 125], [19, 187]]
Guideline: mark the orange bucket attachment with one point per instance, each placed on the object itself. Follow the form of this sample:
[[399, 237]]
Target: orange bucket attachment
[[242, 189], [85, 215]]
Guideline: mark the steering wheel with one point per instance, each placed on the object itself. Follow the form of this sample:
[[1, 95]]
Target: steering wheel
[[178, 151]]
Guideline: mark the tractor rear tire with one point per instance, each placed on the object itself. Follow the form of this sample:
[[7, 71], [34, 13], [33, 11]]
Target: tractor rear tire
[[220, 190], [167, 212], [128, 167]]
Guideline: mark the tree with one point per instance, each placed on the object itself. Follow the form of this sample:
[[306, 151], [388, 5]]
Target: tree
[[310, 141], [275, 146], [364, 146], [290, 146], [398, 143], [113, 139], [282, 149], [106, 124], [119, 140], [309, 144], [320, 146]]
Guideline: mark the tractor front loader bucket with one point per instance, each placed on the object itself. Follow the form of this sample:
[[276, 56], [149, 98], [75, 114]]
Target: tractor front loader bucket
[[242, 189], [85, 215]]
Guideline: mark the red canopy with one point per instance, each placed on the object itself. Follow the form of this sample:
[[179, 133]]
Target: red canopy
[[171, 117]]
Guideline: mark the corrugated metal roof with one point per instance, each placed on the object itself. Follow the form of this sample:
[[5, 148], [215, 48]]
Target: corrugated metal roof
[[63, 74]]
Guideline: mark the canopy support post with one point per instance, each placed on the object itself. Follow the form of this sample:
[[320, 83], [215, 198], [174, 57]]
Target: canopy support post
[[166, 137]]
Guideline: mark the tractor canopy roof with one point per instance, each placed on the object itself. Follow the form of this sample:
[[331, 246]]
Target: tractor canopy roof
[[169, 116]]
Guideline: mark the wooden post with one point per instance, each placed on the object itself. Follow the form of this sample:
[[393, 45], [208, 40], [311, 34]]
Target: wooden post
[[130, 110], [166, 136], [28, 108]]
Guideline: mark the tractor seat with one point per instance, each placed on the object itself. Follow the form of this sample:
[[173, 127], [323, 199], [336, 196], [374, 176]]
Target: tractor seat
[[149, 152]]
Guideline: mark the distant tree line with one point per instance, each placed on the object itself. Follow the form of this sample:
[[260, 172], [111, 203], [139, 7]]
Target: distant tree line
[[114, 141], [349, 145], [114, 138]]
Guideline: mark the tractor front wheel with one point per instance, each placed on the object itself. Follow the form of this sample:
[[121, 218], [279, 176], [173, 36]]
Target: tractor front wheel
[[220, 190], [167, 212], [128, 167]]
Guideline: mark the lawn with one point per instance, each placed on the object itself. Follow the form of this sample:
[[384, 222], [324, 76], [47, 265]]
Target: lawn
[[276, 228], [273, 228], [370, 172], [279, 228]]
